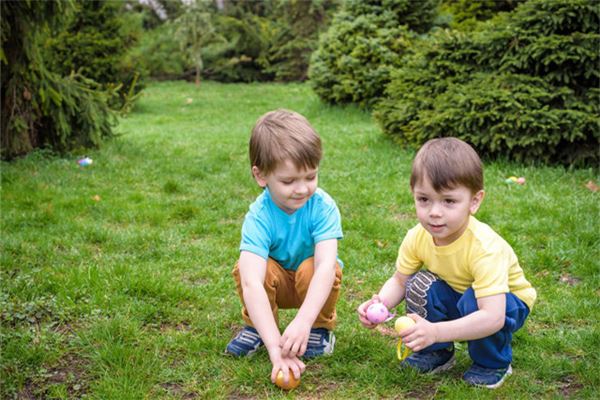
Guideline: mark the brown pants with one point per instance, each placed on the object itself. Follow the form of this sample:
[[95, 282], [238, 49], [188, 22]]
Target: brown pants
[[287, 289]]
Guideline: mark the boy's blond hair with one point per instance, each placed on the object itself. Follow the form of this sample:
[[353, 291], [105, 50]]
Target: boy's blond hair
[[448, 162], [282, 135]]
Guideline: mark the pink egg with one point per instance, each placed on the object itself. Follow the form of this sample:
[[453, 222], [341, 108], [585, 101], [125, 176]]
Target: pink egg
[[377, 313]]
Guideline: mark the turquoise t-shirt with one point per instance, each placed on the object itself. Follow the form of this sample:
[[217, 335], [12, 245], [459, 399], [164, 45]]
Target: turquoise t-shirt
[[289, 239]]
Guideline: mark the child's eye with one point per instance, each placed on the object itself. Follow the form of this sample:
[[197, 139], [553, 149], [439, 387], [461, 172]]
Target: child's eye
[[421, 199], [450, 201], [287, 182]]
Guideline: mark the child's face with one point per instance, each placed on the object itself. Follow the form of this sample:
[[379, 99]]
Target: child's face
[[290, 187], [445, 214]]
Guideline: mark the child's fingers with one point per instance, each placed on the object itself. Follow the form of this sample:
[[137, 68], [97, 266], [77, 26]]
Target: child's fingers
[[302, 349], [414, 317]]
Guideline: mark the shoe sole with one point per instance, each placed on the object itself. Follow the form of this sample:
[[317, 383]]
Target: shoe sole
[[249, 354], [501, 381], [332, 343]]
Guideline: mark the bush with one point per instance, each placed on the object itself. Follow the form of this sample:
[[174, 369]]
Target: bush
[[465, 14], [159, 55], [524, 86], [94, 44], [40, 108], [297, 25], [240, 58], [365, 41]]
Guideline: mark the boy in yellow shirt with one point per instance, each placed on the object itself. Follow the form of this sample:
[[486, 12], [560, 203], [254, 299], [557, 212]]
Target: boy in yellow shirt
[[460, 279]]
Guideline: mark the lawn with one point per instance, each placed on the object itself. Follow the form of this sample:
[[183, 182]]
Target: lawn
[[115, 277]]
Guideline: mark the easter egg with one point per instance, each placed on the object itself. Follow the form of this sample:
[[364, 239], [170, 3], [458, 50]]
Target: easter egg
[[377, 313], [292, 383], [403, 323], [521, 181]]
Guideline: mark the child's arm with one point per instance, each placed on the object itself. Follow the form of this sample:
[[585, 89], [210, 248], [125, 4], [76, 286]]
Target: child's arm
[[253, 269], [391, 294], [295, 337], [487, 320]]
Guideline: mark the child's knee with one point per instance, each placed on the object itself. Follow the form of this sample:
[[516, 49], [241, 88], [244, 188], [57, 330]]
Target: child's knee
[[467, 303]]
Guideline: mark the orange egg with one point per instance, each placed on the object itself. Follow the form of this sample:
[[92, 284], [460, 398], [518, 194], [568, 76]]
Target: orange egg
[[292, 383]]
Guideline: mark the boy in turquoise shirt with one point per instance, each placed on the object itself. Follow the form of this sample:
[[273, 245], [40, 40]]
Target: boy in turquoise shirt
[[288, 252]]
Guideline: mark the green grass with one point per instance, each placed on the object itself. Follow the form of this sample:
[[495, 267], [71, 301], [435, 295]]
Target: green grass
[[128, 295]]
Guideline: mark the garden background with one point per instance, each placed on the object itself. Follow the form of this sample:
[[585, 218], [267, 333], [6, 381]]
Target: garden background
[[115, 276]]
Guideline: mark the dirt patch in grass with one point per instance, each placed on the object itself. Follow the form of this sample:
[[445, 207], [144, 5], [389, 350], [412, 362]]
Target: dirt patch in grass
[[70, 371], [182, 326], [569, 386], [178, 390]]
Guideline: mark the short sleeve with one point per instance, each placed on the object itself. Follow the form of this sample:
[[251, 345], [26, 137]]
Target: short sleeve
[[408, 261], [490, 272], [327, 221], [255, 236]]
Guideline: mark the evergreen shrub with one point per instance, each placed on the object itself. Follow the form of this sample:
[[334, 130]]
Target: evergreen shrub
[[297, 26], [525, 86], [364, 42], [240, 58], [39, 107], [158, 54], [94, 44]]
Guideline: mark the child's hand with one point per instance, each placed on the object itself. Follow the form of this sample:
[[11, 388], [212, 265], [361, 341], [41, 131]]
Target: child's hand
[[420, 335], [362, 311], [286, 365], [294, 340]]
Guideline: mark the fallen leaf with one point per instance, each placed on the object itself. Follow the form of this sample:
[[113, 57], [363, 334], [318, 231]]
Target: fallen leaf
[[96, 198], [591, 185], [569, 279]]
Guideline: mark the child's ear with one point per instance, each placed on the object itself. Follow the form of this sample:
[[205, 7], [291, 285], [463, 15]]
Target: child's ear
[[476, 201], [259, 177]]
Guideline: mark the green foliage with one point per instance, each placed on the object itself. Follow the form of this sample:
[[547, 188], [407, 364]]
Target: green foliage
[[251, 40], [365, 41], [40, 108], [158, 54], [524, 86], [94, 44], [240, 58], [465, 14], [297, 26], [195, 32]]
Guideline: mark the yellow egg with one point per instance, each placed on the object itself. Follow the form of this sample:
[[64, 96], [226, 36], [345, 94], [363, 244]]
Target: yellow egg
[[292, 383], [403, 323]]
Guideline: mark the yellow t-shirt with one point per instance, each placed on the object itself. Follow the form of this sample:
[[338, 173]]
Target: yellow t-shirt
[[480, 258]]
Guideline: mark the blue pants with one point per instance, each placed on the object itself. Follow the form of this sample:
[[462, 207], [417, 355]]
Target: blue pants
[[434, 300]]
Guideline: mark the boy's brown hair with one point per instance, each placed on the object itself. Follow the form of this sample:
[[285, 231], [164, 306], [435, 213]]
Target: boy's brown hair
[[448, 162], [284, 135]]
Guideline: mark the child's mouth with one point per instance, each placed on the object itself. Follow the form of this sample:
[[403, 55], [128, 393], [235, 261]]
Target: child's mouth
[[436, 228]]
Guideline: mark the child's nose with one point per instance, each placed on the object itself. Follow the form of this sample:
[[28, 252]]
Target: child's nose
[[302, 188], [435, 210]]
